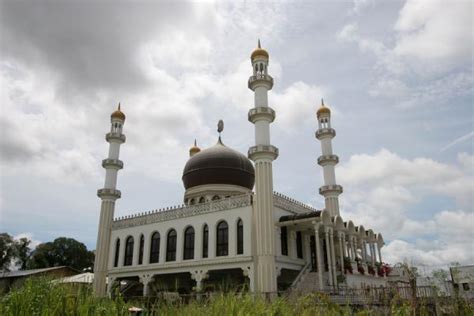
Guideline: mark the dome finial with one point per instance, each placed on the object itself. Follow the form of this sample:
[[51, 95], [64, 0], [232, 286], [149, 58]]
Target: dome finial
[[259, 46], [220, 128], [194, 150], [322, 102], [118, 114]]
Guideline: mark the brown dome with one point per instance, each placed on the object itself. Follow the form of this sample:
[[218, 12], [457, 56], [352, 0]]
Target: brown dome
[[219, 164]]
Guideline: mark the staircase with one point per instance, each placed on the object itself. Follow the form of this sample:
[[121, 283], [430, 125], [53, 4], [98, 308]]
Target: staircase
[[306, 282]]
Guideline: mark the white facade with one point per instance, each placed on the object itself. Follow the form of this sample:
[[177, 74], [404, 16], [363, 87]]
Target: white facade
[[261, 239]]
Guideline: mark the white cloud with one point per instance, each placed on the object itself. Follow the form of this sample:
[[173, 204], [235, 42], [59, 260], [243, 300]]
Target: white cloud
[[382, 190], [34, 243], [415, 66], [430, 29]]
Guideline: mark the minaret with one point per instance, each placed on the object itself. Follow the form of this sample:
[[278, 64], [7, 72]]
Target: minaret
[[263, 153], [325, 133], [108, 195]]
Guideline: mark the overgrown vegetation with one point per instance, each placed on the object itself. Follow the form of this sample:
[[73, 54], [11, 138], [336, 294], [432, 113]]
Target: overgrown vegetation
[[43, 297]]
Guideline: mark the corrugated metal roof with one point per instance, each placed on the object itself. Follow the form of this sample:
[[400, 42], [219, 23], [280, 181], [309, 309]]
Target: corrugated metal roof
[[22, 273]]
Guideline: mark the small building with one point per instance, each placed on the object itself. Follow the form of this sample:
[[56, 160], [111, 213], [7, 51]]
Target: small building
[[463, 280], [15, 279]]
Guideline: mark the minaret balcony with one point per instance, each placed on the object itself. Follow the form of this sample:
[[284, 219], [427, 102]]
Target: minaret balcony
[[328, 159], [263, 152], [260, 80], [261, 113], [115, 136], [325, 132], [109, 193], [112, 163], [333, 188]]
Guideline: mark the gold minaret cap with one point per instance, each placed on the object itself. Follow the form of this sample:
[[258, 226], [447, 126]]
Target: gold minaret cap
[[118, 114], [259, 51], [323, 110], [194, 150]]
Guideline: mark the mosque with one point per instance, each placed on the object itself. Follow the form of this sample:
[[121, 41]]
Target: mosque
[[233, 230]]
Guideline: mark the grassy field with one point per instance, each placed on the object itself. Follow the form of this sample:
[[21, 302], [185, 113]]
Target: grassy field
[[42, 297]]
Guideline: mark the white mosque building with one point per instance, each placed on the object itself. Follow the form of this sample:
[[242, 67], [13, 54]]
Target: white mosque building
[[233, 229]]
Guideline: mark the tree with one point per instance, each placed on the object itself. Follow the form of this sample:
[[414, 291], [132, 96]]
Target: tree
[[7, 251], [23, 252], [61, 252]]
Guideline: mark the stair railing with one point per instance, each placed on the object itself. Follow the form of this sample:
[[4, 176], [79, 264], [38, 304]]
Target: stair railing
[[300, 275]]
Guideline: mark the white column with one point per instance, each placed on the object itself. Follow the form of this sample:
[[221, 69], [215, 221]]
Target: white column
[[145, 279], [333, 259], [328, 256], [146, 248], [198, 240], [179, 245], [341, 251], [292, 244], [278, 243], [249, 272], [354, 250], [136, 249], [380, 254], [199, 276], [211, 245], [163, 238], [232, 239], [320, 258]]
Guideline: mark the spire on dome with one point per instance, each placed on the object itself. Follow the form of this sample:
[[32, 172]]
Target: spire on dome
[[194, 150], [323, 109], [259, 52], [118, 114]]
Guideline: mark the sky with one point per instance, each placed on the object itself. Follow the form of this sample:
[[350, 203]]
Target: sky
[[397, 75]]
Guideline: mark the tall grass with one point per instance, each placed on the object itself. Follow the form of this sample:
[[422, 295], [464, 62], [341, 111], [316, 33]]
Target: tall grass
[[43, 297]]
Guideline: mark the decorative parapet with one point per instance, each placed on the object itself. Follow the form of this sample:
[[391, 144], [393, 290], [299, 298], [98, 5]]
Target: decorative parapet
[[336, 188], [326, 159], [263, 151], [265, 80], [114, 163], [261, 113], [109, 193], [325, 132], [291, 205], [115, 136], [181, 211]]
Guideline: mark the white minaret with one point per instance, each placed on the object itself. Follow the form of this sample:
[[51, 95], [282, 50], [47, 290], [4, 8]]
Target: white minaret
[[108, 195], [263, 153], [325, 133]]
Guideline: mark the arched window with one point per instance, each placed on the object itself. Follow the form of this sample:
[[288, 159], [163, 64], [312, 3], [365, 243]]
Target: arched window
[[222, 248], [215, 198], [188, 243], [140, 250], [155, 248], [202, 199], [205, 241], [171, 246], [128, 259], [117, 252], [240, 237]]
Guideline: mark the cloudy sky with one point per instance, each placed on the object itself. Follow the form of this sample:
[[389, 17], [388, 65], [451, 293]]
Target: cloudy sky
[[398, 76]]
